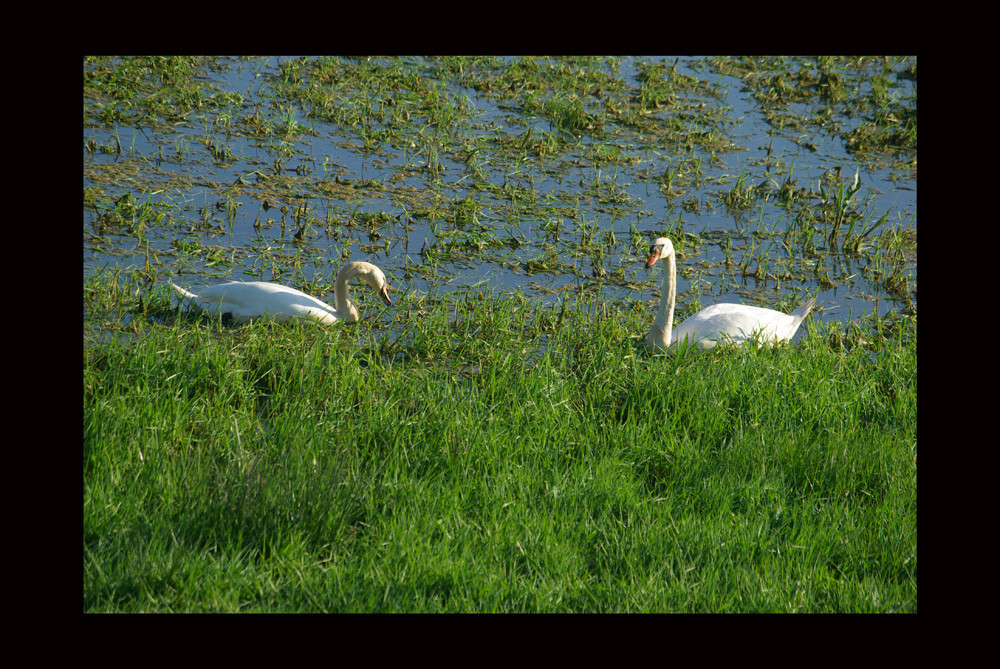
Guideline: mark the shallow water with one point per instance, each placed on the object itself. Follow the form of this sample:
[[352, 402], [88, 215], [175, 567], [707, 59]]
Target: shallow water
[[173, 167]]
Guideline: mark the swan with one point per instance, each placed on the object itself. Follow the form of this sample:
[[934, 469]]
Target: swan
[[719, 323], [244, 301]]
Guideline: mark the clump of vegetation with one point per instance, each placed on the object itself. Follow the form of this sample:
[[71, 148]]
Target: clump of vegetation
[[149, 90], [851, 96]]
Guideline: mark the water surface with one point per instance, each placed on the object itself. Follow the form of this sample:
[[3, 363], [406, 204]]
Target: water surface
[[231, 199]]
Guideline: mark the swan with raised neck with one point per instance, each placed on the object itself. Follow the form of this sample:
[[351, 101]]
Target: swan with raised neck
[[717, 324]]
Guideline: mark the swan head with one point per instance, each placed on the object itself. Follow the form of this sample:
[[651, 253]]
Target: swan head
[[660, 248], [376, 279], [371, 274]]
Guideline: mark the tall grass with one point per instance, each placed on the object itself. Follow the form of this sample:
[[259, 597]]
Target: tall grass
[[484, 453]]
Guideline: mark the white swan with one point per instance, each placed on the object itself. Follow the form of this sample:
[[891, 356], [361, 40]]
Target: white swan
[[244, 301], [719, 323]]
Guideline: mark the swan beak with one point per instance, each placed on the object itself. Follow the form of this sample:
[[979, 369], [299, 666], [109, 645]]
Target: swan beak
[[384, 294], [654, 254]]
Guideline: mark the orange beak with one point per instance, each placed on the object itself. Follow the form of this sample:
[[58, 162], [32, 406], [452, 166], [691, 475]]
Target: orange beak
[[654, 255], [384, 294]]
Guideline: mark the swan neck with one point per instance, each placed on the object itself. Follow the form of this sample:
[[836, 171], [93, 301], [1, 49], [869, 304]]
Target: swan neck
[[343, 302], [663, 324]]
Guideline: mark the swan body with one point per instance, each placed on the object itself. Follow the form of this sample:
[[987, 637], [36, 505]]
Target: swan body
[[243, 301], [719, 323]]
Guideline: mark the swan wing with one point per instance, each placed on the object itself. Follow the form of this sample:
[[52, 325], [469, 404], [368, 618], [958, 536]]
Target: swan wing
[[736, 323]]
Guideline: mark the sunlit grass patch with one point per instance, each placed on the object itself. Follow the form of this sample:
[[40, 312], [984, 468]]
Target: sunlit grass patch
[[484, 452]]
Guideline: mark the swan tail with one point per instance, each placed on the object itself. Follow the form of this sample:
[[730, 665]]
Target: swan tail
[[804, 309], [183, 293]]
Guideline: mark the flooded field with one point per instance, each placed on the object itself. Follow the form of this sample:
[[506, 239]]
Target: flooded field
[[776, 178]]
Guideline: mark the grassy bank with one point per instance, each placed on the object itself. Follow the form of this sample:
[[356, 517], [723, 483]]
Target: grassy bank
[[479, 452]]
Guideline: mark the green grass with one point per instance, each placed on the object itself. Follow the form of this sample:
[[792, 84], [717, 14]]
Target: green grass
[[480, 452]]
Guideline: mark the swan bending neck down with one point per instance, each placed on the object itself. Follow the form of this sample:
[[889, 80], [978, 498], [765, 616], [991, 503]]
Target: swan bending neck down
[[717, 324], [243, 301]]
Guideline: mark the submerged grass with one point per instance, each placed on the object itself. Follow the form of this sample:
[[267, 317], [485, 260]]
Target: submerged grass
[[481, 452], [502, 162]]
